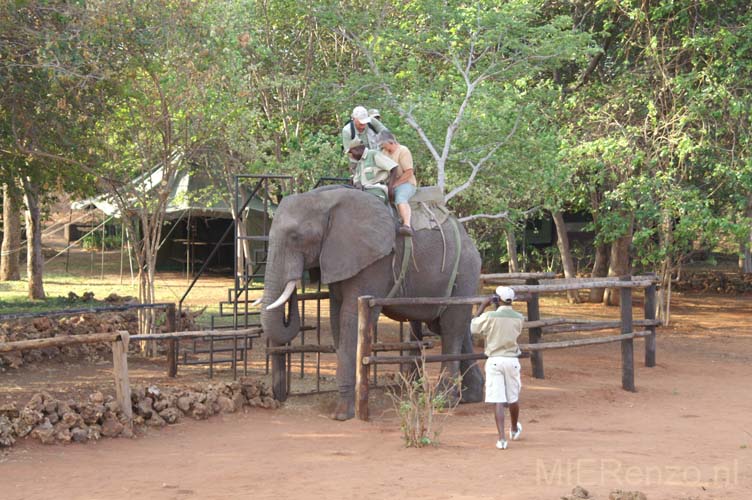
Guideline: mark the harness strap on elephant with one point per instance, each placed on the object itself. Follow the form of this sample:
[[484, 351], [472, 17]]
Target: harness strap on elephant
[[407, 255]]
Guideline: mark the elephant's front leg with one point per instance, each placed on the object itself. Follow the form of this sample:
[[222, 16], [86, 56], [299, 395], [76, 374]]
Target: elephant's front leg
[[346, 353]]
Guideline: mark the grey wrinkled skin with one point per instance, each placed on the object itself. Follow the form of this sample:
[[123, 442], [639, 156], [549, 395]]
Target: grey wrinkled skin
[[350, 236]]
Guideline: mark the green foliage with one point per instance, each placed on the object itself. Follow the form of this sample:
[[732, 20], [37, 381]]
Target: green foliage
[[93, 241], [636, 112], [422, 405]]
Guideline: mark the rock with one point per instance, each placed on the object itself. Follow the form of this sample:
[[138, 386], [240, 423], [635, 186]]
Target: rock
[[36, 402], [578, 492], [250, 388], [87, 296], [72, 419], [95, 432], [255, 402], [91, 413], [53, 417], [170, 415], [111, 427], [200, 411], [112, 406], [96, 398], [226, 405], [6, 432], [10, 411], [80, 435], [184, 403], [42, 324], [160, 405], [211, 400], [137, 393], [269, 403], [626, 495], [44, 432], [144, 408], [238, 400], [127, 432], [156, 421], [65, 407], [27, 421], [153, 392], [62, 432]]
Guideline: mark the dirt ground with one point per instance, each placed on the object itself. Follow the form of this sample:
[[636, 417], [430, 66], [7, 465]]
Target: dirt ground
[[685, 434]]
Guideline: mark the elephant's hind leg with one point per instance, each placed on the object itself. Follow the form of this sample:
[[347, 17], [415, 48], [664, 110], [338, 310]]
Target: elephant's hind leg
[[472, 377], [455, 338]]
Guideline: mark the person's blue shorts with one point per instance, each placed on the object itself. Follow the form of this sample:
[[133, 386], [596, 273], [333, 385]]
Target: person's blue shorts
[[404, 192]]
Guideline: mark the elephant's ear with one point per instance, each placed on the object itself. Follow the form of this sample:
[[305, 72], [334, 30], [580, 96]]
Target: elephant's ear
[[360, 231]]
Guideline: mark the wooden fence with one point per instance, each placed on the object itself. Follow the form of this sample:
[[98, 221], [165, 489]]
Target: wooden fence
[[534, 324]]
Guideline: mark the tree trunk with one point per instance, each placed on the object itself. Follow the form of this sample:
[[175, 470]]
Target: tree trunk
[[619, 264], [667, 268], [600, 270], [745, 255], [514, 264], [34, 257], [11, 249], [562, 242]]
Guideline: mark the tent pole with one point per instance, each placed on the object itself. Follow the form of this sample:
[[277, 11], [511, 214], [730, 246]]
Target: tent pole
[[104, 234], [188, 249], [122, 243], [67, 250]]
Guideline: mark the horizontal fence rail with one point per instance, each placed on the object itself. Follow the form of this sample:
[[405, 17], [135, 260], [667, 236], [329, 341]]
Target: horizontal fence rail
[[536, 326]]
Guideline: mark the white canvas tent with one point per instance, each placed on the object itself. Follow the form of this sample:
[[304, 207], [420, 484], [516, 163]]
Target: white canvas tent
[[195, 218]]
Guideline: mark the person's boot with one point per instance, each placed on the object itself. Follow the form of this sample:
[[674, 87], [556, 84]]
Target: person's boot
[[405, 230]]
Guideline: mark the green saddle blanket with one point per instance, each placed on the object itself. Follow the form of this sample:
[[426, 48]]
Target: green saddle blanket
[[428, 208]]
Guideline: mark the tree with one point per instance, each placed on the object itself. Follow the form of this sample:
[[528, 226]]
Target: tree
[[460, 76], [654, 130], [43, 82], [11, 247]]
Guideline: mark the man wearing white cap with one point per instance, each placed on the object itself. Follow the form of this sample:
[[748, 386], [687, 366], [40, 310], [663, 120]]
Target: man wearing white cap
[[501, 329], [361, 129]]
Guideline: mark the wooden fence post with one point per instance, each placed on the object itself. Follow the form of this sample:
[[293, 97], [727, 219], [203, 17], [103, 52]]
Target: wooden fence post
[[627, 345], [120, 371], [172, 344], [534, 334], [650, 343], [362, 372]]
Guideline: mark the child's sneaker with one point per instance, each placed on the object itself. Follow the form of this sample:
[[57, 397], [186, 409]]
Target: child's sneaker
[[515, 435], [501, 444]]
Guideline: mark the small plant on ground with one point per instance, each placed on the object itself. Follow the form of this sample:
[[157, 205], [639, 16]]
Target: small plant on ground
[[423, 405]]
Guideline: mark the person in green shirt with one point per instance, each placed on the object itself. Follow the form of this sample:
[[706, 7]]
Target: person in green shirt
[[501, 329], [373, 170], [360, 129]]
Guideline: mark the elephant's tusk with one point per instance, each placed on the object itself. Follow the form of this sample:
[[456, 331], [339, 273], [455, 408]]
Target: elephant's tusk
[[289, 288], [256, 302]]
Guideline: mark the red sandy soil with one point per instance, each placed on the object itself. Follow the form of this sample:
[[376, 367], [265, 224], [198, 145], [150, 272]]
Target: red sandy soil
[[685, 434]]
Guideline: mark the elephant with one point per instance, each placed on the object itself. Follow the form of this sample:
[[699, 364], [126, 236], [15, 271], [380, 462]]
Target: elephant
[[348, 237]]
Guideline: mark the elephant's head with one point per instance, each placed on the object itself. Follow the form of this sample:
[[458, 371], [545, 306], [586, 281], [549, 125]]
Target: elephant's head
[[338, 230]]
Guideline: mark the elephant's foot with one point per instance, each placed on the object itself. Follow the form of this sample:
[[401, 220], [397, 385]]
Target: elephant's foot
[[345, 410]]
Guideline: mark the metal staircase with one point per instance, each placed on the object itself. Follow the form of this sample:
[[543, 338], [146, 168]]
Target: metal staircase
[[255, 195]]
